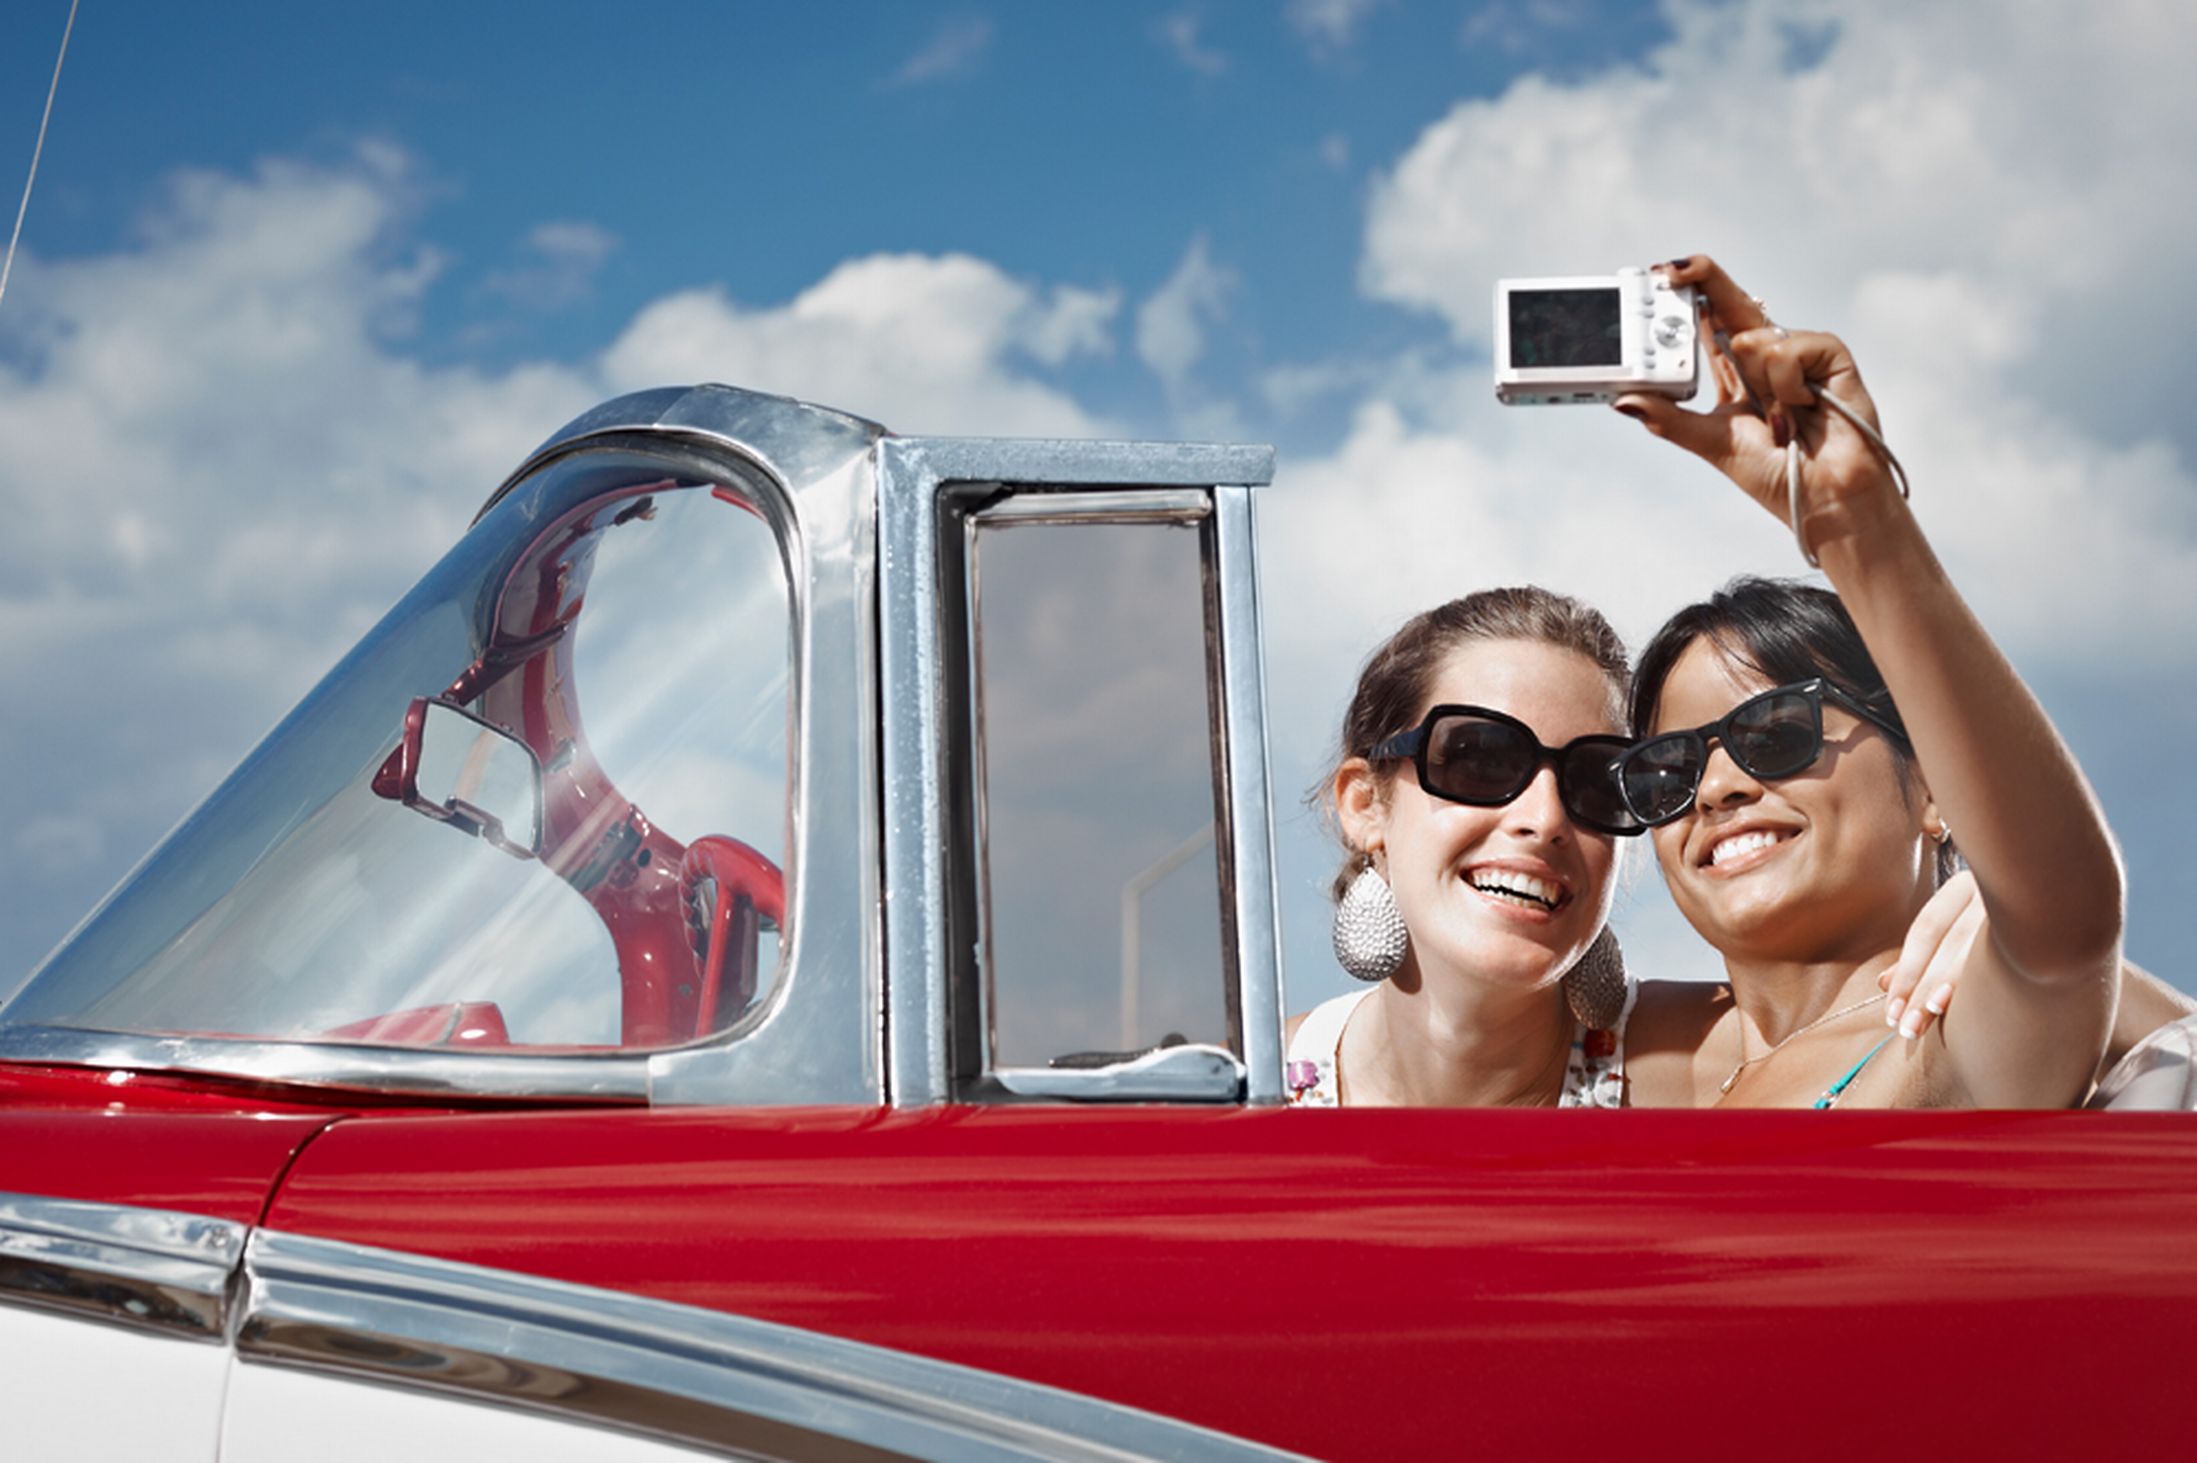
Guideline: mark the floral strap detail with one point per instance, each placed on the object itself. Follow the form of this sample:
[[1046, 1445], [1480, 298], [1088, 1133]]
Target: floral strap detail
[[1308, 1069], [1594, 1072]]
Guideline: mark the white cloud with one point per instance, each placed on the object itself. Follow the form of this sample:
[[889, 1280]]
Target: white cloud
[[952, 50], [1071, 322], [1985, 255], [217, 469], [1179, 33], [236, 370], [1171, 322], [557, 263], [1512, 27], [1329, 27], [219, 464], [922, 343], [1913, 144]]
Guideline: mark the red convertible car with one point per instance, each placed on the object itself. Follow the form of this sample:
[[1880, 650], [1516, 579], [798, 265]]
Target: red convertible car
[[770, 950]]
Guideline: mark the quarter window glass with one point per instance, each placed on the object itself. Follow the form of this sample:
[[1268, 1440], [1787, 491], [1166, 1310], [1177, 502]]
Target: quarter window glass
[[1101, 889]]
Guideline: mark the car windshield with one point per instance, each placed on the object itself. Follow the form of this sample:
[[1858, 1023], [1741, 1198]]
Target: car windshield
[[613, 638]]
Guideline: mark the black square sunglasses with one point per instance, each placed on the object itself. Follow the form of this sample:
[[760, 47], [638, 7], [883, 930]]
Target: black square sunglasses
[[1776, 734], [1469, 754]]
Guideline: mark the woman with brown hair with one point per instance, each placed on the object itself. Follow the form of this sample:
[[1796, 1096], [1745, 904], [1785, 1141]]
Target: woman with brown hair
[[1475, 794]]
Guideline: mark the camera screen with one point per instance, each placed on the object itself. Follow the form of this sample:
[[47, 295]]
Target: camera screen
[[1565, 328]]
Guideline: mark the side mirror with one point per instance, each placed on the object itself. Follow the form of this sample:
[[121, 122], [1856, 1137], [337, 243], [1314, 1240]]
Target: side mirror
[[458, 769]]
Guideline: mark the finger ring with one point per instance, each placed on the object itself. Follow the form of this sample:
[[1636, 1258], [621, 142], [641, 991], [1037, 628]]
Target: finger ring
[[1778, 330]]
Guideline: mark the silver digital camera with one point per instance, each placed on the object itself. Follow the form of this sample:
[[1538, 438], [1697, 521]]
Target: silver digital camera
[[1592, 338]]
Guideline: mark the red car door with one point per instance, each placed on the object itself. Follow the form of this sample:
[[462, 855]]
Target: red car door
[[1379, 1284]]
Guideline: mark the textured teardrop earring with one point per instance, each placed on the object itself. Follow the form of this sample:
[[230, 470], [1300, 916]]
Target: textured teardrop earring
[[1370, 938], [1595, 987]]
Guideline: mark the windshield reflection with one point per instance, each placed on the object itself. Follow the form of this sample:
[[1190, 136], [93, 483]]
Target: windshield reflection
[[633, 631]]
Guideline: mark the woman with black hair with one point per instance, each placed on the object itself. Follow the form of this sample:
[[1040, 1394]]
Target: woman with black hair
[[1806, 759]]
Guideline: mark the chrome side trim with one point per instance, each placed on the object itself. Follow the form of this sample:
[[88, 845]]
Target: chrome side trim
[[911, 473], [693, 1376], [328, 1065], [153, 1268], [1250, 797]]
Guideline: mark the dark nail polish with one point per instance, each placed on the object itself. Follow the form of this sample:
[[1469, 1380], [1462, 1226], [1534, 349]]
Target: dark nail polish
[[1781, 428], [1636, 412], [1680, 263]]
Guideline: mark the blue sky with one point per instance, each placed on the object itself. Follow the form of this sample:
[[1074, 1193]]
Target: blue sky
[[300, 283], [754, 145]]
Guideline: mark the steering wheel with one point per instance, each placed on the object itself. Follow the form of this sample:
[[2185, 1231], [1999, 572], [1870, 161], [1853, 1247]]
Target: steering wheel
[[749, 889]]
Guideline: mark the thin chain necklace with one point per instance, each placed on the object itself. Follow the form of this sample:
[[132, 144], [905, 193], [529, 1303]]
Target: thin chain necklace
[[1779, 1045]]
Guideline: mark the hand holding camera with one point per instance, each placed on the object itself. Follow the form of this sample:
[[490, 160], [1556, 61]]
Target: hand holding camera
[[1784, 397]]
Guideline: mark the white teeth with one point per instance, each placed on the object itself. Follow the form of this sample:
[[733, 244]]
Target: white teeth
[[1522, 886], [1740, 844]]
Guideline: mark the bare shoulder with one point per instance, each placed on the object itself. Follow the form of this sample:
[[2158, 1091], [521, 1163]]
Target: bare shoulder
[[1671, 1022], [1289, 1028], [1675, 1014]]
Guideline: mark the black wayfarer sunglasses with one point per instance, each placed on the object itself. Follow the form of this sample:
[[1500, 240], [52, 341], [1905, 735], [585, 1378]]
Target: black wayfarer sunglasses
[[1469, 754], [1776, 734]]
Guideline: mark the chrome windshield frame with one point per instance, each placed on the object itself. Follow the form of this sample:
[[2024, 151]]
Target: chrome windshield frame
[[817, 1038]]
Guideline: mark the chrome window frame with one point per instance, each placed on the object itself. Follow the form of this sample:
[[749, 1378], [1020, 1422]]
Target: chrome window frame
[[857, 513], [924, 672], [818, 1037]]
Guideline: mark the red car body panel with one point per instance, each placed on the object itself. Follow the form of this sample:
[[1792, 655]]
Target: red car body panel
[[1289, 1276], [117, 1138]]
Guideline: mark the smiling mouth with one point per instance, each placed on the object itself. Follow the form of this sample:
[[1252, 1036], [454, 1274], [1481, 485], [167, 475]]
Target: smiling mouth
[[1741, 845], [1523, 890]]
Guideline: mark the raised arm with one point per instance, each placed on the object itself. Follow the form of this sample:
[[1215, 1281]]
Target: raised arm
[[1921, 984], [2037, 993]]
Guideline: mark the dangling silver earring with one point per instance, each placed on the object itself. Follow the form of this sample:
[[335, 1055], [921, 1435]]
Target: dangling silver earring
[[1370, 938], [1595, 987]]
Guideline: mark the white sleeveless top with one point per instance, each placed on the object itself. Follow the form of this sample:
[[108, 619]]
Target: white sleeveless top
[[2159, 1073], [1594, 1073]]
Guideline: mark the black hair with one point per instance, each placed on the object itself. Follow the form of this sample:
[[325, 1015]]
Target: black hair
[[1784, 631]]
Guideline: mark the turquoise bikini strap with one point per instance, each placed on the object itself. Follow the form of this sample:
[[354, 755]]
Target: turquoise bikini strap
[[1846, 1081]]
